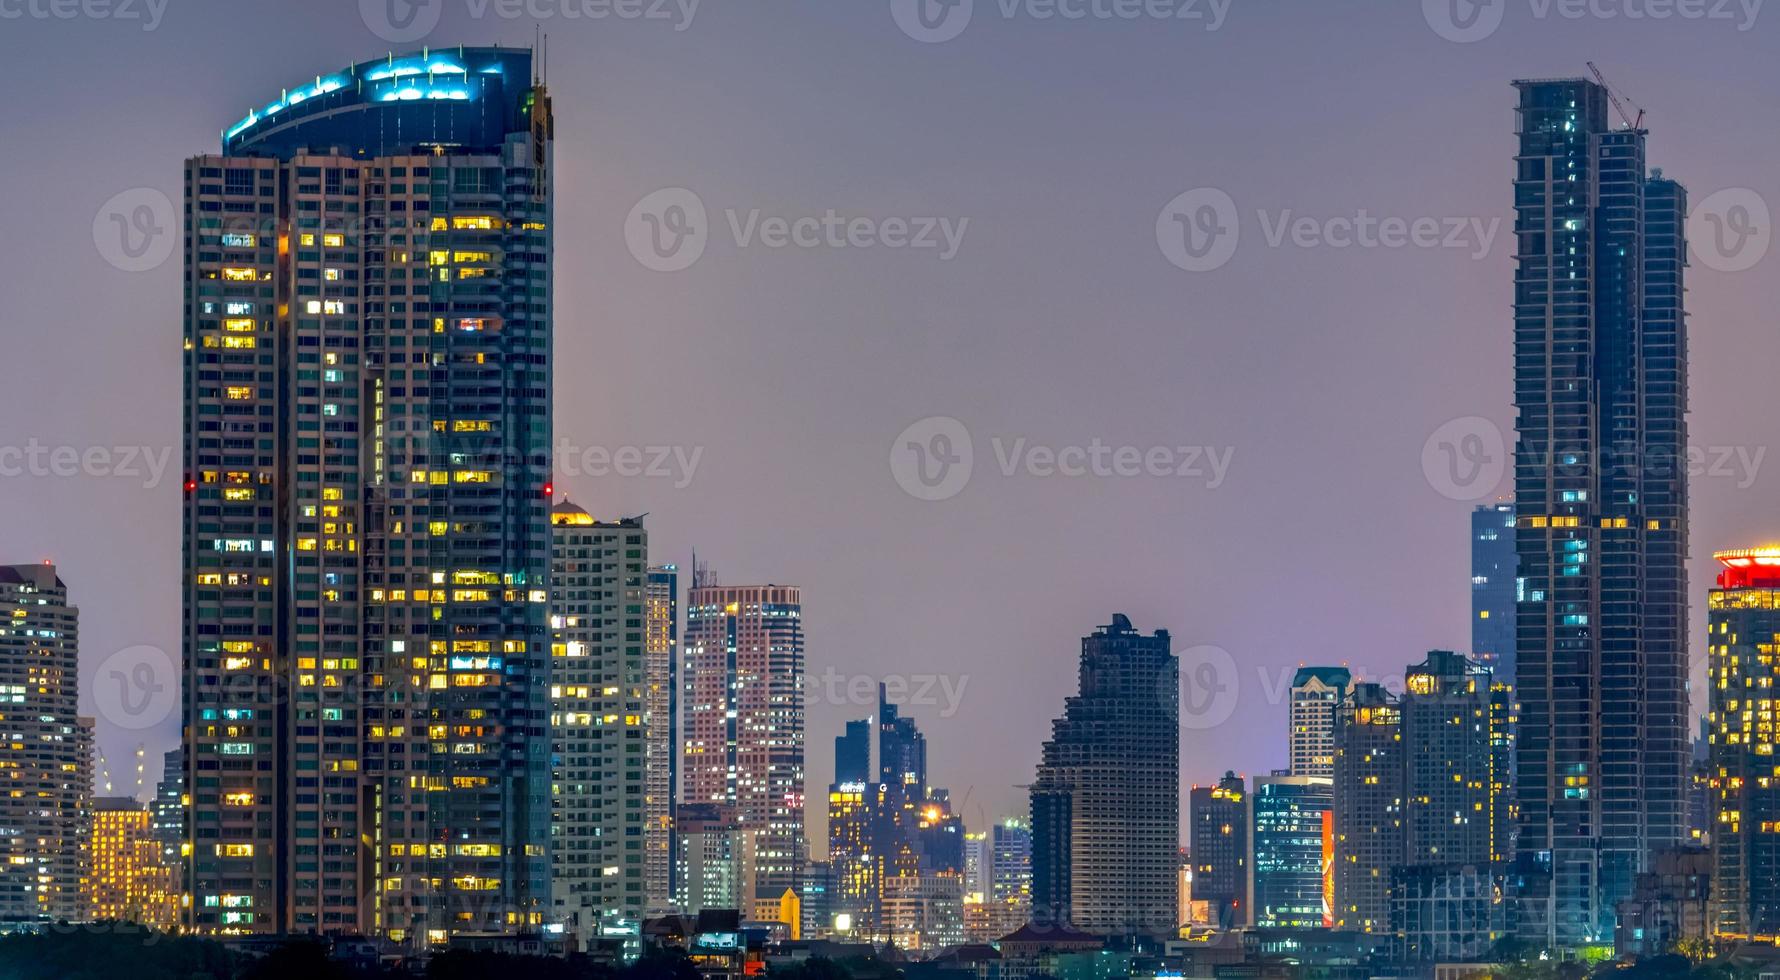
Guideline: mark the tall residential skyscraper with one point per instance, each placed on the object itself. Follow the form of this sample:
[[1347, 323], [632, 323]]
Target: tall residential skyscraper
[[1219, 848], [1743, 616], [598, 708], [1493, 588], [47, 764], [1106, 803], [662, 732], [1369, 791], [1315, 693], [1600, 480], [1291, 844], [744, 723], [366, 516]]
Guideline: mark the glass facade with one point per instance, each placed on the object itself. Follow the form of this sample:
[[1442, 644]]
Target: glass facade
[[1291, 815], [1601, 507]]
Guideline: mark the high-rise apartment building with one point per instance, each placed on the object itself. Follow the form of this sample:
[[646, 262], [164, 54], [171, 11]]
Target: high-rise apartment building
[[743, 740], [47, 765], [366, 516], [598, 704], [1600, 478], [1458, 752], [127, 878], [1291, 847], [1106, 801], [716, 859], [1316, 691], [1743, 670], [1369, 790], [661, 732], [1221, 861], [1494, 588]]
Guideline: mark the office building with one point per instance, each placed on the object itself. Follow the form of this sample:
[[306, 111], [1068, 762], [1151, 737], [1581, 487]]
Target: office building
[[1316, 691], [47, 768], [661, 732], [1494, 588], [366, 515], [1221, 861], [1292, 851], [1600, 500], [598, 708], [744, 723], [1743, 618], [1106, 800]]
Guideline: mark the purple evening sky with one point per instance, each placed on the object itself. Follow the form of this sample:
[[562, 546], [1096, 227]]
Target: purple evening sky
[[1317, 373]]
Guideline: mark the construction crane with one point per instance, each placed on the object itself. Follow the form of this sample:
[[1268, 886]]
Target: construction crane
[[1618, 107]]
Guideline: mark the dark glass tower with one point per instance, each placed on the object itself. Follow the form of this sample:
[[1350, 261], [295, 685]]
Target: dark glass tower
[[1493, 588], [852, 754], [367, 536], [1601, 509], [1106, 803]]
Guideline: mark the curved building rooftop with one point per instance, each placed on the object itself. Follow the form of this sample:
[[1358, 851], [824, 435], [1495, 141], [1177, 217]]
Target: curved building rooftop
[[467, 99]]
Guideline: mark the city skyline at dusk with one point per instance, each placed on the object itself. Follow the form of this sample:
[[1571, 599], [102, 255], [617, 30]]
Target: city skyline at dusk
[[900, 343]]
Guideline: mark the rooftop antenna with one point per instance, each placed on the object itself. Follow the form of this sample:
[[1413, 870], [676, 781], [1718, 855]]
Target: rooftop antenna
[[1613, 97]]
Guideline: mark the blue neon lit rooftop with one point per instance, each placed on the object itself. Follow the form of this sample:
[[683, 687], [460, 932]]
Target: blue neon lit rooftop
[[463, 98]]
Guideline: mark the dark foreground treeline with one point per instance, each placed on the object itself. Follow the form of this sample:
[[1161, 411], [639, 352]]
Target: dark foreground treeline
[[123, 952]]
